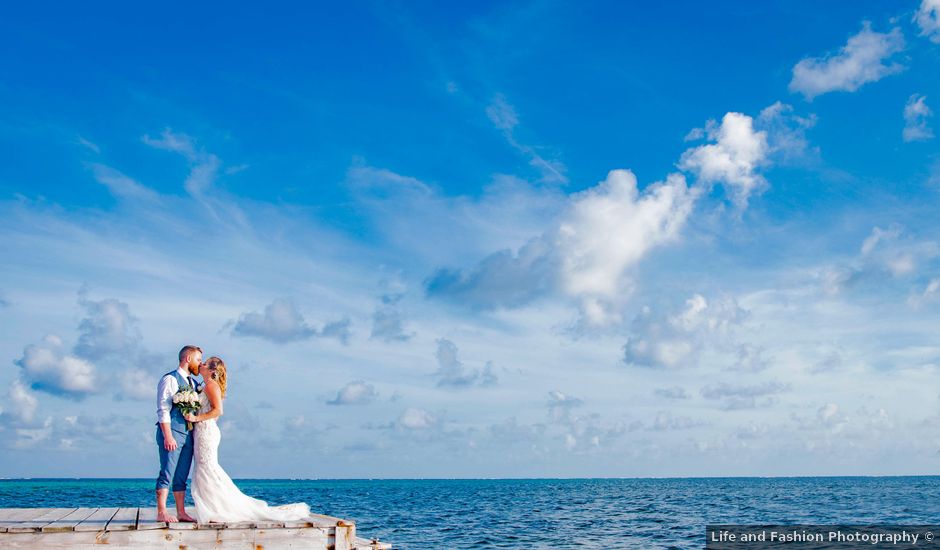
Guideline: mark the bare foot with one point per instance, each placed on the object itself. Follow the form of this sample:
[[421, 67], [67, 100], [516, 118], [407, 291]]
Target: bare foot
[[166, 516], [186, 517]]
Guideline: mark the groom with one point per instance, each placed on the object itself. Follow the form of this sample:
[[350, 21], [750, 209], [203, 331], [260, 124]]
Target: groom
[[175, 442]]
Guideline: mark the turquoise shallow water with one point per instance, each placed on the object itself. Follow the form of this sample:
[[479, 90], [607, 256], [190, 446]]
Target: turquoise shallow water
[[546, 513]]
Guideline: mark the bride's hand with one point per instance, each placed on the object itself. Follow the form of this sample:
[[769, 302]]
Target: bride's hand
[[190, 418]]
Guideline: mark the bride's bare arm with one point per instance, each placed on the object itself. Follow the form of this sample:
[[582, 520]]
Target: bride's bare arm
[[215, 399]]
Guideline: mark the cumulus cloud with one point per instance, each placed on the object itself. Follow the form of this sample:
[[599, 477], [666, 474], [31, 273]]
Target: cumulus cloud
[[48, 367], [502, 279], [587, 257], [354, 393], [589, 254], [734, 159], [414, 418], [674, 341], [928, 19], [138, 383], [885, 253], [916, 113], [451, 372], [282, 322], [608, 229], [387, 321], [108, 329], [504, 117], [387, 325], [734, 397], [20, 404], [560, 406], [862, 60]]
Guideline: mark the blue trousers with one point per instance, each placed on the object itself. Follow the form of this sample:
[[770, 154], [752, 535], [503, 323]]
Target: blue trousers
[[174, 465]]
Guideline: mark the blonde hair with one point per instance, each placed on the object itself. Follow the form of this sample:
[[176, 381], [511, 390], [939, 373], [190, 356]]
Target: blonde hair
[[217, 367]]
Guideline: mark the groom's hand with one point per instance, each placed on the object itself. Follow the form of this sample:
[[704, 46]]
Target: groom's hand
[[169, 443]]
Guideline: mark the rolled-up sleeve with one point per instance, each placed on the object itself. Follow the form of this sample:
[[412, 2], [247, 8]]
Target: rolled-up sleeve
[[165, 391]]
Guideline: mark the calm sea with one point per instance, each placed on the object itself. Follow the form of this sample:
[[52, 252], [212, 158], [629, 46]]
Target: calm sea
[[546, 513]]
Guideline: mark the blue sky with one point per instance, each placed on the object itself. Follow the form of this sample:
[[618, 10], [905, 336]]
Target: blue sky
[[505, 240]]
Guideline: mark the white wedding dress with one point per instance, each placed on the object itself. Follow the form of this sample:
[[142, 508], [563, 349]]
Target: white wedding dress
[[216, 497]]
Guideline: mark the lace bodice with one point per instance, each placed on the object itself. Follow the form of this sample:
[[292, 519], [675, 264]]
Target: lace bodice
[[204, 402]]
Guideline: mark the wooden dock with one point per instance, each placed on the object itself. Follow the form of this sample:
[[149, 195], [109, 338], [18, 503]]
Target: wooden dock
[[138, 528]]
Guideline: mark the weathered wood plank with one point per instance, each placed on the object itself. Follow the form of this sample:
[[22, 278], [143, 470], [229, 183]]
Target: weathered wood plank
[[167, 539], [304, 523], [124, 519], [97, 521], [90, 528], [13, 516], [147, 519], [68, 522], [37, 523], [366, 544], [14, 513]]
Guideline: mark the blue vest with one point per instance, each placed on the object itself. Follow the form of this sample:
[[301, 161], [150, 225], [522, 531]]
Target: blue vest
[[177, 422]]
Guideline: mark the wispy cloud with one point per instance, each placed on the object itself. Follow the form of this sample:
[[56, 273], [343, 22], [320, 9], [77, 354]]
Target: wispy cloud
[[204, 167], [504, 117]]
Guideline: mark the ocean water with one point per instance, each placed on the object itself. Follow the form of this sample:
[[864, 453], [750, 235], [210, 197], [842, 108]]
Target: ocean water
[[546, 513]]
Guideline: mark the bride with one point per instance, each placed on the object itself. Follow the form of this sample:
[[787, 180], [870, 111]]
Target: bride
[[216, 497]]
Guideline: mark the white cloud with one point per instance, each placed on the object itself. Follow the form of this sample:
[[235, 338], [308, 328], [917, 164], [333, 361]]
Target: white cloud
[[414, 418], [738, 152], [45, 366], [675, 341], [916, 113], [928, 19], [138, 384], [451, 372], [20, 404], [884, 253], [108, 329], [354, 393], [605, 231], [860, 61], [608, 229], [282, 322], [560, 406]]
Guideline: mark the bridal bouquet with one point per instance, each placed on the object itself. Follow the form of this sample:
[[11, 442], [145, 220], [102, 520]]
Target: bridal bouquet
[[188, 402]]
